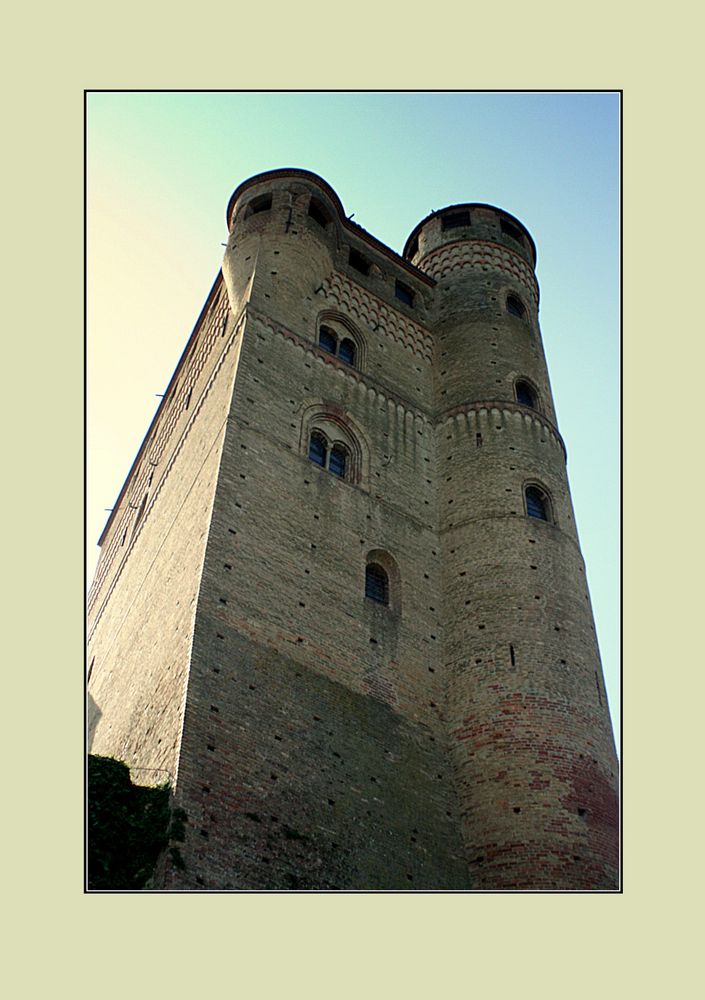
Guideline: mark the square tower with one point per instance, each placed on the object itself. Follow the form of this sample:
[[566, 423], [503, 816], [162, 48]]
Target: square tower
[[339, 604]]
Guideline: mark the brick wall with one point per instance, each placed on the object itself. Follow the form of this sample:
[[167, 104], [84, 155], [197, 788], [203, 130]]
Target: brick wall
[[458, 738]]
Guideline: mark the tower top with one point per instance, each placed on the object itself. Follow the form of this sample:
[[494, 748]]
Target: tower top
[[294, 174], [284, 173], [455, 222]]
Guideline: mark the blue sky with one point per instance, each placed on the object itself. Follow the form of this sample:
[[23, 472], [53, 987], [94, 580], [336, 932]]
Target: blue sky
[[161, 169]]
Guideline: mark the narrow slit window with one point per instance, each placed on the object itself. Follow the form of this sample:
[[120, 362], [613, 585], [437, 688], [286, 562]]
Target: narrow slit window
[[318, 449], [338, 461], [376, 584]]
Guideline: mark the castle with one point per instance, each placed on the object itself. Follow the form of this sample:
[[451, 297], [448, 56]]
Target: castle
[[340, 603]]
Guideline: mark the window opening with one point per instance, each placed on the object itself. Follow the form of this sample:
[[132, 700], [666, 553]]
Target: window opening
[[359, 262], [318, 449], [525, 395], [318, 213], [536, 503], [338, 461], [515, 306], [510, 230], [261, 204], [454, 220], [328, 340], [347, 351], [376, 584], [403, 293]]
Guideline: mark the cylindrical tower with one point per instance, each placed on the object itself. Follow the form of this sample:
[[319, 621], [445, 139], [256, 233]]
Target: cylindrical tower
[[526, 704]]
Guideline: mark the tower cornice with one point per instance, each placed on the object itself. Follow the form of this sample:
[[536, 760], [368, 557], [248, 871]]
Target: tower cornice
[[469, 205], [351, 227]]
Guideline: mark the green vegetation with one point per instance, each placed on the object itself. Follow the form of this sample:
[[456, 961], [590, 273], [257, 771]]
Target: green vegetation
[[128, 827]]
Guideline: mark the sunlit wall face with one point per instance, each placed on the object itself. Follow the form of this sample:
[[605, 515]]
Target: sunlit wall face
[[161, 168]]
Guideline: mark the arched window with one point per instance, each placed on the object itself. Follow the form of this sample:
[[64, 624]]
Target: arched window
[[331, 439], [328, 340], [337, 335], [525, 394], [515, 306], [334, 459], [347, 351], [537, 503], [318, 449], [376, 583], [338, 460]]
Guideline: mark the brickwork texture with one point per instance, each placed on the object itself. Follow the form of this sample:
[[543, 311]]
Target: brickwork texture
[[452, 735]]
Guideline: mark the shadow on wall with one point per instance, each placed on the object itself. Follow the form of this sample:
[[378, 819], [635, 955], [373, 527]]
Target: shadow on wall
[[93, 715]]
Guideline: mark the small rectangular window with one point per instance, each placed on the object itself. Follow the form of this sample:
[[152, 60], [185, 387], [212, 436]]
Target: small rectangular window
[[359, 262], [454, 220], [261, 204], [318, 213], [510, 230], [403, 293]]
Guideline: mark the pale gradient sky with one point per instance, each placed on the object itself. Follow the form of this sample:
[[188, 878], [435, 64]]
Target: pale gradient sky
[[161, 169]]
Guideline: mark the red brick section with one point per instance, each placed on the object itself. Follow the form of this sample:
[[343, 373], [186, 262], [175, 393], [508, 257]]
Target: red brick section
[[540, 813]]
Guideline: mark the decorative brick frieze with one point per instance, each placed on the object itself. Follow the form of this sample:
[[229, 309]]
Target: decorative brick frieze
[[354, 374], [480, 254], [377, 315], [509, 407]]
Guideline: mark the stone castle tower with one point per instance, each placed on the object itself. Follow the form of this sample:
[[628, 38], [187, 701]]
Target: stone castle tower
[[340, 601]]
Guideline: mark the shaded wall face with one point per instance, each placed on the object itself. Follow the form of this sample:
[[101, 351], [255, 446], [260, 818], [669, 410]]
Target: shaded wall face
[[293, 780], [142, 603]]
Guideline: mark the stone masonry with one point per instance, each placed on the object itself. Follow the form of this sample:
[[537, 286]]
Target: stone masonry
[[450, 733]]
